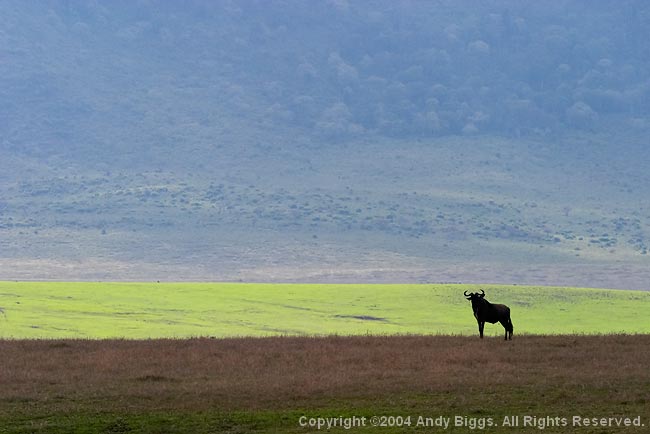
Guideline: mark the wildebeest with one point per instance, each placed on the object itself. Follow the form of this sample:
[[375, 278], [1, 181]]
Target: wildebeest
[[484, 311]]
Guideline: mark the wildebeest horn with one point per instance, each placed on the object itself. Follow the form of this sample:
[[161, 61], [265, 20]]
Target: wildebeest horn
[[482, 292], [465, 294]]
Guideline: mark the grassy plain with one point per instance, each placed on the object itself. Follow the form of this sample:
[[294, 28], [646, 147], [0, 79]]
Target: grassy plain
[[181, 310], [260, 385]]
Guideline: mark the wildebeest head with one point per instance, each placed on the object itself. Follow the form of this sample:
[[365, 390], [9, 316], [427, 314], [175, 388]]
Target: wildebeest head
[[475, 298]]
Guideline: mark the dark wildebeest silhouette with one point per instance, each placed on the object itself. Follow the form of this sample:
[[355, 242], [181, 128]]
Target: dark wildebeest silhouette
[[484, 311]]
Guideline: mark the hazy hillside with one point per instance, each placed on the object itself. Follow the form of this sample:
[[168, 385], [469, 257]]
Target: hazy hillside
[[500, 141]]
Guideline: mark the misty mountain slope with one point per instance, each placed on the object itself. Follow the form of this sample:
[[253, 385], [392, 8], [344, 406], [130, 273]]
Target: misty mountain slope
[[500, 141], [91, 80]]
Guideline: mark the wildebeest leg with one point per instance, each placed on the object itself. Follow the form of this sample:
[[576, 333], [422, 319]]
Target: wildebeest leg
[[504, 323], [481, 324], [507, 324], [511, 328]]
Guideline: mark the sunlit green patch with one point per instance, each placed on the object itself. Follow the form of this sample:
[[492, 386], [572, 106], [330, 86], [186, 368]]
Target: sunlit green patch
[[152, 310]]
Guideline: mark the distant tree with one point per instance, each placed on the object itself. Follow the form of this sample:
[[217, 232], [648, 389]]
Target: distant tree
[[581, 115], [336, 121]]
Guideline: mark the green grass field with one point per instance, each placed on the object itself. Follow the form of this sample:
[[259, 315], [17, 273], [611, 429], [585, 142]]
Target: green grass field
[[181, 310]]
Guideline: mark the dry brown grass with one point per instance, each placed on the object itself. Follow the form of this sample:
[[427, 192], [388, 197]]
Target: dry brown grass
[[528, 373]]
